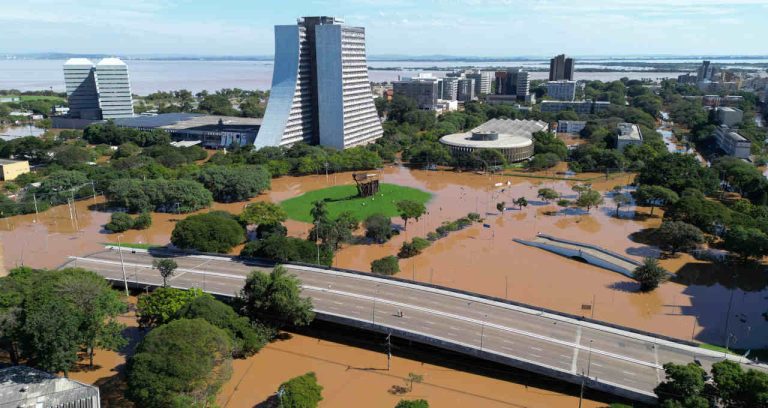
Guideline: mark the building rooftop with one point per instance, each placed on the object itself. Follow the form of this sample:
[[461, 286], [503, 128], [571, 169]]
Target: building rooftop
[[79, 61], [190, 121], [21, 385], [497, 134], [111, 61], [629, 131], [8, 161]]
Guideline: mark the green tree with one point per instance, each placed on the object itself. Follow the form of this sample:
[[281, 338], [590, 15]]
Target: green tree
[[119, 222], [500, 207], [385, 266], [547, 194], [276, 297], [653, 196], [263, 212], [414, 378], [143, 221], [230, 184], [409, 209], [215, 231], [378, 227], [97, 306], [246, 339], [521, 202], [166, 267], [280, 248], [588, 199], [160, 306], [682, 387], [650, 274], [419, 403], [738, 388], [620, 199], [127, 150], [182, 363], [746, 242], [300, 392], [678, 236]]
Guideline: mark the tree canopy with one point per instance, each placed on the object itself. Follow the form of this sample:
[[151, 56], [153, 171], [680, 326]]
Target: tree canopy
[[182, 363], [275, 297], [216, 231]]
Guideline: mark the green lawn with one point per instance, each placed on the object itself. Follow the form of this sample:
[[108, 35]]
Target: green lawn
[[130, 245], [30, 98], [344, 198]]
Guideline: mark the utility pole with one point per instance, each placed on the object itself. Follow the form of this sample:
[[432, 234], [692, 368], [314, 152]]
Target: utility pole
[[34, 198], [583, 378], [93, 187], [506, 287], [389, 351], [122, 264], [482, 331]]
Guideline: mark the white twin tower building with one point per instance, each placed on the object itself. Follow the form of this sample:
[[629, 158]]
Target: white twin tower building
[[320, 91], [100, 91]]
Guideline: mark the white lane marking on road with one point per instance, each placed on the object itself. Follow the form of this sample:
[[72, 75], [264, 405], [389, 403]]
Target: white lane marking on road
[[535, 355], [656, 360], [191, 269], [628, 373], [597, 365], [576, 350], [537, 348]]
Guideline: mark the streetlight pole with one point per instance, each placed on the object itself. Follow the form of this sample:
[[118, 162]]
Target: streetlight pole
[[122, 264], [583, 378], [482, 331]]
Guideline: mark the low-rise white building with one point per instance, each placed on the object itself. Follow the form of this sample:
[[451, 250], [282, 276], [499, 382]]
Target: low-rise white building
[[729, 116], [732, 143], [628, 134]]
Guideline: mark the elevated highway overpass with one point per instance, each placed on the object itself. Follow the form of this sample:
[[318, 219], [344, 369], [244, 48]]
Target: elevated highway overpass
[[607, 358]]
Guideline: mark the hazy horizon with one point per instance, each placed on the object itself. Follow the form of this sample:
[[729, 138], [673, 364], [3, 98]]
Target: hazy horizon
[[399, 27]]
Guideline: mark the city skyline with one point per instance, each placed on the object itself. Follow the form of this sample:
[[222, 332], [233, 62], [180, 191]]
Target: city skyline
[[236, 27]]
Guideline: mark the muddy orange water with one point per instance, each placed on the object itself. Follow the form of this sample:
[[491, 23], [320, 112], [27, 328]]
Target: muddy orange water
[[350, 376], [483, 260]]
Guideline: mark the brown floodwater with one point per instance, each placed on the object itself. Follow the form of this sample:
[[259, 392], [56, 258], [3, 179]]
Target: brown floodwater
[[483, 260], [350, 376]]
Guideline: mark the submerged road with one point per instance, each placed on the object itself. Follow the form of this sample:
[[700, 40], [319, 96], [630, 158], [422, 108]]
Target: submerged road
[[606, 358]]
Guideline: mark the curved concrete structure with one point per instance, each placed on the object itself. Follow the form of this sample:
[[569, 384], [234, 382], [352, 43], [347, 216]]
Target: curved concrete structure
[[618, 360], [592, 254], [513, 138], [288, 117]]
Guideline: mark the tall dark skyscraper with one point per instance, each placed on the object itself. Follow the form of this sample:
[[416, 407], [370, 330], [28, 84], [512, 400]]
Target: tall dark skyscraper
[[561, 68]]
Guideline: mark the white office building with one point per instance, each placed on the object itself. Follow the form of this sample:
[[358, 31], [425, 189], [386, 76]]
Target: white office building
[[562, 90], [101, 91], [114, 87], [628, 134], [82, 94], [732, 143], [483, 81], [320, 89]]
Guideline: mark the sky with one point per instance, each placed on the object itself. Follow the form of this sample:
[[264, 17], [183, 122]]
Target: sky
[[477, 28]]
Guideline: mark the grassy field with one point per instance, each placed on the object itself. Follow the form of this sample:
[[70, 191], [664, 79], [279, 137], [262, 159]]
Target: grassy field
[[30, 98], [344, 198], [130, 245]]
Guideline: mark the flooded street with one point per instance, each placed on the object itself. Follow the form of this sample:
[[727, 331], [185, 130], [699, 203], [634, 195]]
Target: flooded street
[[483, 260]]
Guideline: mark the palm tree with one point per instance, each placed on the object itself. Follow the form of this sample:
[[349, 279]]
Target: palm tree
[[650, 274]]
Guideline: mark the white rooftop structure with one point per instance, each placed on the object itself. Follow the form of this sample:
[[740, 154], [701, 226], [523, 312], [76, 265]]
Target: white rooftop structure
[[514, 138], [25, 387], [111, 61]]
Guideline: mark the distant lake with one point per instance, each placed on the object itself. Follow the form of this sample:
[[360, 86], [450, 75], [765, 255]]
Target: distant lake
[[151, 76]]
